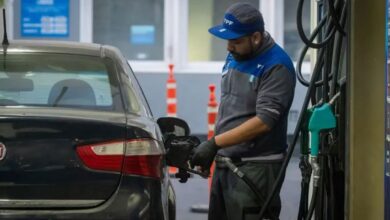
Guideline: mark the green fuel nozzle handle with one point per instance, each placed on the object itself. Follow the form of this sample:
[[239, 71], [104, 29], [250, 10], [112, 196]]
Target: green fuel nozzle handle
[[322, 118], [305, 132]]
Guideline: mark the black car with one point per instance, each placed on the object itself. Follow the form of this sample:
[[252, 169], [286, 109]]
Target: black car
[[77, 138]]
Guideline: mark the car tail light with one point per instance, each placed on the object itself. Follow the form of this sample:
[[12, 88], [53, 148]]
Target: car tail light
[[103, 156], [143, 157], [137, 156]]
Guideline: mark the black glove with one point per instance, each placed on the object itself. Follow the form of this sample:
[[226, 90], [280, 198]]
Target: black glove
[[204, 154]]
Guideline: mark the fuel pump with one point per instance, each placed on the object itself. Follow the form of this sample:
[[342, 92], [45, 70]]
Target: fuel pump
[[323, 106]]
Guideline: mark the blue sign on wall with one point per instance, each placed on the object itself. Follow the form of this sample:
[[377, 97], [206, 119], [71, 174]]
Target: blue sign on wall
[[44, 18], [142, 34]]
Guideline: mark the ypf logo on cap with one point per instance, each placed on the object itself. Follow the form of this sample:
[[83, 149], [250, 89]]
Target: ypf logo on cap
[[3, 151], [227, 21]]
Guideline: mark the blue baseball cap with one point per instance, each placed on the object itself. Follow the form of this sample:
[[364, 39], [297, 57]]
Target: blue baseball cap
[[240, 19]]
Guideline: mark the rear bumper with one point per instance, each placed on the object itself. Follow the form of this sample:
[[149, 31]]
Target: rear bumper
[[136, 198]]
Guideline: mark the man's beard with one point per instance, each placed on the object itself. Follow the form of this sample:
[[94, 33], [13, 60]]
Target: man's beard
[[247, 56], [242, 57]]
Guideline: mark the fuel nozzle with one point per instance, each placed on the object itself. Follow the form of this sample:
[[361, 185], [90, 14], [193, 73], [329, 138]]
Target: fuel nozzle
[[179, 154], [322, 118]]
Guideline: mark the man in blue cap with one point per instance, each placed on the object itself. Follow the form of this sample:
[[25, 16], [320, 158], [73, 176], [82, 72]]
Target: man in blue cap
[[258, 82]]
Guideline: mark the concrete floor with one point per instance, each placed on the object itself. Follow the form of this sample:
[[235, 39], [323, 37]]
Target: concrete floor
[[195, 192]]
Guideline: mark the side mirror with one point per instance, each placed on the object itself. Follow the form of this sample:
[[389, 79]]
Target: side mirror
[[173, 126]]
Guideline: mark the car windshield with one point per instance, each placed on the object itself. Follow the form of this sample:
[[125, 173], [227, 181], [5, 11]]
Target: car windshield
[[58, 80]]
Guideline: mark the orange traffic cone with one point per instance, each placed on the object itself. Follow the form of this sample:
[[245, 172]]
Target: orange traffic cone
[[212, 111], [171, 103], [171, 93]]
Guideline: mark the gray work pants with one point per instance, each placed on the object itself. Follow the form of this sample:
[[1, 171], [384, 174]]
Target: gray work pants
[[232, 199]]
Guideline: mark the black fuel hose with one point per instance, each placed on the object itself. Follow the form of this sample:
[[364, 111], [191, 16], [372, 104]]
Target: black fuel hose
[[305, 183], [338, 48], [335, 18], [251, 185], [320, 60], [314, 34], [318, 201], [312, 204], [302, 33], [331, 189], [242, 176], [303, 204]]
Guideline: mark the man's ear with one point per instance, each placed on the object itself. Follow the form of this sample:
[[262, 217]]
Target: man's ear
[[257, 38]]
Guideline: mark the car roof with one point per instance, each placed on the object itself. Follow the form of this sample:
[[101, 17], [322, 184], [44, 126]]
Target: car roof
[[49, 46]]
